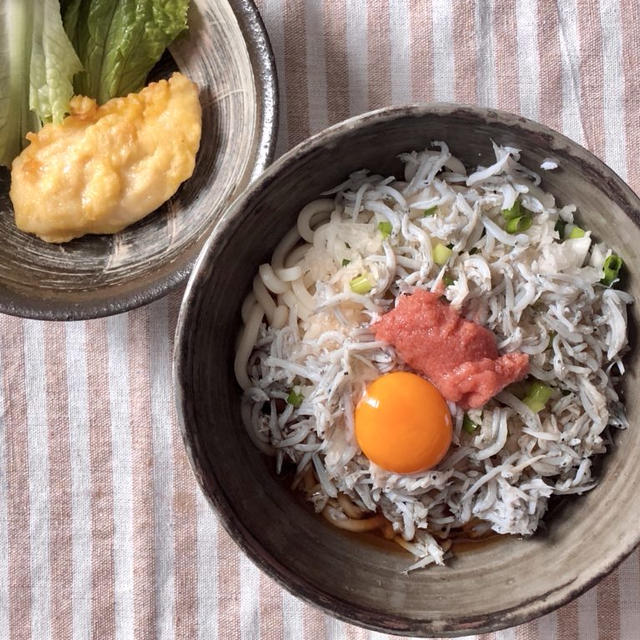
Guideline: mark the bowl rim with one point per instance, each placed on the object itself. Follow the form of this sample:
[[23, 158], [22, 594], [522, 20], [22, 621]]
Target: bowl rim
[[296, 584], [263, 64]]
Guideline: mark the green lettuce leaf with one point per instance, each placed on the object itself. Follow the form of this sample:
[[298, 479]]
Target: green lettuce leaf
[[53, 64], [37, 64], [119, 41], [15, 117]]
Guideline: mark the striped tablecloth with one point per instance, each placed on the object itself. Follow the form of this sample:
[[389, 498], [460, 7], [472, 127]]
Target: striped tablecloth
[[103, 531]]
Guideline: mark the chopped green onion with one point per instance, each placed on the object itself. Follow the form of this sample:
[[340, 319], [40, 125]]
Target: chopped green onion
[[552, 335], [473, 251], [441, 254], [516, 225], [537, 396], [295, 399], [559, 227], [385, 228], [360, 284], [469, 425], [611, 269], [514, 212], [447, 280], [430, 211], [576, 232], [345, 262]]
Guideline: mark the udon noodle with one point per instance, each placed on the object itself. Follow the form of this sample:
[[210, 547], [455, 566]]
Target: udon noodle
[[306, 351]]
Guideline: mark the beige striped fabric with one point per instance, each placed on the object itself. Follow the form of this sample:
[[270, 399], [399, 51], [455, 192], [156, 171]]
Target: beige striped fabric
[[103, 531]]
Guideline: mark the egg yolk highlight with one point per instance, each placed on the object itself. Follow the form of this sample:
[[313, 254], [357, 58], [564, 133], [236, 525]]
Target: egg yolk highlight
[[402, 423]]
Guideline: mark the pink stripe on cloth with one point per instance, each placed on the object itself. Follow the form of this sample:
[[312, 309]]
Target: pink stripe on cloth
[[630, 10], [295, 72], [568, 622], [464, 44], [271, 613], [144, 576], [185, 541], [60, 495], [527, 631], [228, 586], [103, 620], [608, 598], [335, 43], [379, 51], [506, 47], [18, 512], [355, 633], [420, 34], [591, 77], [313, 622], [185, 606], [550, 69]]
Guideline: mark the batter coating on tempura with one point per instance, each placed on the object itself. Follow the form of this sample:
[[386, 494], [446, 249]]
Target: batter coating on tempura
[[106, 167]]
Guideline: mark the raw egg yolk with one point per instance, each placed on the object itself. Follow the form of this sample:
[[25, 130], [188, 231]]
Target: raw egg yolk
[[402, 423]]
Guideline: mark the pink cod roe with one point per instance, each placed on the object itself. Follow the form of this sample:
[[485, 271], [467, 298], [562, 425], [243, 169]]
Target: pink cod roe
[[458, 356]]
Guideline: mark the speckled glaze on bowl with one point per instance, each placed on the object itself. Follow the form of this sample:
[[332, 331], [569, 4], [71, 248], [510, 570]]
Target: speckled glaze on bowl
[[227, 53], [492, 587]]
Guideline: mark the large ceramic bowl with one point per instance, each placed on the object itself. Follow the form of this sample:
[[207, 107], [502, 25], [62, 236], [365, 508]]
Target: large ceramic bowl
[[227, 53], [495, 586]]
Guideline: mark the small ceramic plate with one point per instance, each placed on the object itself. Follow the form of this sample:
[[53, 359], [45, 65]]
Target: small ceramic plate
[[227, 54], [499, 584]]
